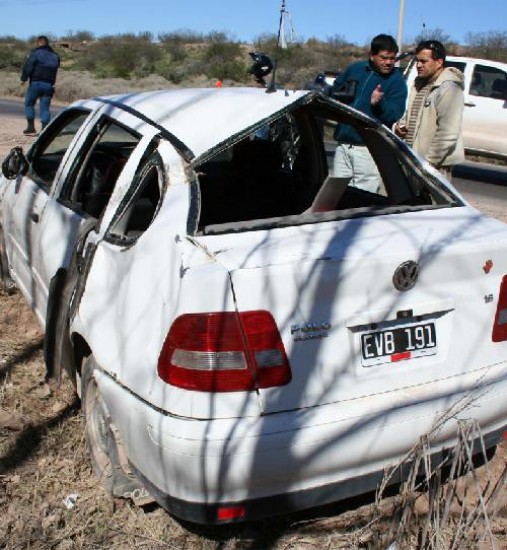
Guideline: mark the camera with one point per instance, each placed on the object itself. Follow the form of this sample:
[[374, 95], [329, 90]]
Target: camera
[[346, 93]]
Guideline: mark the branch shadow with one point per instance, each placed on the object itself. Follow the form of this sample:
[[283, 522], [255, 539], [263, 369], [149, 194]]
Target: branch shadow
[[26, 353], [29, 439]]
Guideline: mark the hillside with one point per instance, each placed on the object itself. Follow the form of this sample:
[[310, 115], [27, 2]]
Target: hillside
[[129, 62]]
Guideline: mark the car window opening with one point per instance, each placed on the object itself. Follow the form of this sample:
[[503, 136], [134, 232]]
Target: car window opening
[[46, 156], [96, 175], [142, 205], [282, 174]]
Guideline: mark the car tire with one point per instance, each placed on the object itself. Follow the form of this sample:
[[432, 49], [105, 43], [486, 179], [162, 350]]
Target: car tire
[[103, 444]]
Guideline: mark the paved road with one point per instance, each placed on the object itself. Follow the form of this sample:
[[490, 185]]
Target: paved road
[[482, 183], [14, 107], [11, 107]]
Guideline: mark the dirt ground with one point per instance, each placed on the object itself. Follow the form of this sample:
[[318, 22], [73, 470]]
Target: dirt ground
[[49, 497]]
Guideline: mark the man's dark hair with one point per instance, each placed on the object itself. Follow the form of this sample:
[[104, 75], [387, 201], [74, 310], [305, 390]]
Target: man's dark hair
[[437, 48], [383, 42], [43, 40]]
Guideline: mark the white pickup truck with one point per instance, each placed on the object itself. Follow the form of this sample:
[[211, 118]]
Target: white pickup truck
[[485, 116]]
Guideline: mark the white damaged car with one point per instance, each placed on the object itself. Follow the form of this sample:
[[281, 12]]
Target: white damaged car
[[250, 335]]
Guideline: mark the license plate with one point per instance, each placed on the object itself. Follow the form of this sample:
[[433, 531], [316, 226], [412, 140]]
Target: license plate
[[397, 344]]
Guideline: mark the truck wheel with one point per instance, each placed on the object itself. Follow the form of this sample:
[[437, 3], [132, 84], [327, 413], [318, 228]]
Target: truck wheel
[[109, 462]]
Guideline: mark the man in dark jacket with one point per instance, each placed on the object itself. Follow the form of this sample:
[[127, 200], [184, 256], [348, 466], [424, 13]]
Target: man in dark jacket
[[40, 70], [377, 88]]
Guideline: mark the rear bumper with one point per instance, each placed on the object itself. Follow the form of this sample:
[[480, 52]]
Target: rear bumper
[[254, 509], [290, 461]]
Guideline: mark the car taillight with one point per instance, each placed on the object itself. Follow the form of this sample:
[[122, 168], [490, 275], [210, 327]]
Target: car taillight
[[228, 513], [223, 352], [500, 326]]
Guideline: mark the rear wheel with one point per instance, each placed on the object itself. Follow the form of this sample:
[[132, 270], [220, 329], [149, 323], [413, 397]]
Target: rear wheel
[[108, 460]]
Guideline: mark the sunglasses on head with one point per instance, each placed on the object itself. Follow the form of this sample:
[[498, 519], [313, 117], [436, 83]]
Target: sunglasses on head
[[434, 46]]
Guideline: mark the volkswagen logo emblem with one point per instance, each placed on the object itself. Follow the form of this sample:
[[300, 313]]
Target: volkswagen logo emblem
[[406, 275]]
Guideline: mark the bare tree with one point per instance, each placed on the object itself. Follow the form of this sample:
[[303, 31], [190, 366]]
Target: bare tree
[[433, 34], [489, 45]]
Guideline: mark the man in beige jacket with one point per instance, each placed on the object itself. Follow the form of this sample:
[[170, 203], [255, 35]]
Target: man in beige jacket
[[432, 124]]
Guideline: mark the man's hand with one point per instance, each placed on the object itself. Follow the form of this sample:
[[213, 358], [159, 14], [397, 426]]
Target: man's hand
[[400, 129], [377, 95]]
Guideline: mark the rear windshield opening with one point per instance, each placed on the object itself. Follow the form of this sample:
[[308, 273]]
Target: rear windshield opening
[[283, 174]]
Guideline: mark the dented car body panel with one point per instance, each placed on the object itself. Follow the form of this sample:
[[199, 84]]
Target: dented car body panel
[[253, 330]]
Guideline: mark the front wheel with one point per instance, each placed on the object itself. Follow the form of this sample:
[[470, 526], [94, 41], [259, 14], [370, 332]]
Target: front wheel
[[5, 278], [109, 462]]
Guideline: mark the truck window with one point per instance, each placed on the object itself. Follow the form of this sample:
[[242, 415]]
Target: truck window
[[489, 82], [456, 64]]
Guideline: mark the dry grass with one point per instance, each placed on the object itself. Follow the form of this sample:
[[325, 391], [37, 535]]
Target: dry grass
[[43, 459], [73, 85], [451, 504]]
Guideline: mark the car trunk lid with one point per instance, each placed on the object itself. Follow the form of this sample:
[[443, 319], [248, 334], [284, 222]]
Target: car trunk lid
[[349, 326]]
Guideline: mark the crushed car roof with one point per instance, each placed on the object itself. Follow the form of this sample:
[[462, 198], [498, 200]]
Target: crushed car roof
[[202, 118]]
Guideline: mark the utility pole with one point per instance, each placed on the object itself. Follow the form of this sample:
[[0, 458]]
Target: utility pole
[[401, 17]]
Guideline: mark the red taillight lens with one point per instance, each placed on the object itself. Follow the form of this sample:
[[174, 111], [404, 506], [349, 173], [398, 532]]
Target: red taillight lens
[[266, 349], [228, 513], [224, 352], [500, 326]]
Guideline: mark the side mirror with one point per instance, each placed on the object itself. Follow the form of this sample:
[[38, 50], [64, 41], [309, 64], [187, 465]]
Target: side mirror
[[15, 164]]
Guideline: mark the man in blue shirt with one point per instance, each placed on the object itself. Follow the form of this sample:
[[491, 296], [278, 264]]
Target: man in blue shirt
[[40, 69], [378, 90]]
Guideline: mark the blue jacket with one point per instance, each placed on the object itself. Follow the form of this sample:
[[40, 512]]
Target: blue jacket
[[41, 65], [390, 108]]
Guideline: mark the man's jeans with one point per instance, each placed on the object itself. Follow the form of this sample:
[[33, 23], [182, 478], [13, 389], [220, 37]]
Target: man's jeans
[[44, 92]]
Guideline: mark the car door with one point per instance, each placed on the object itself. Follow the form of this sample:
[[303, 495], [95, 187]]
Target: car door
[[485, 116], [27, 197], [82, 194]]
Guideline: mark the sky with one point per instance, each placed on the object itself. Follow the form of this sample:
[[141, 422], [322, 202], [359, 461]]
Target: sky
[[355, 20]]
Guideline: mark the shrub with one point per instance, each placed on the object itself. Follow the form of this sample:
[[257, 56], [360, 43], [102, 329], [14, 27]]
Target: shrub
[[184, 36], [11, 58], [222, 58], [122, 56], [10, 86], [78, 36], [72, 85]]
